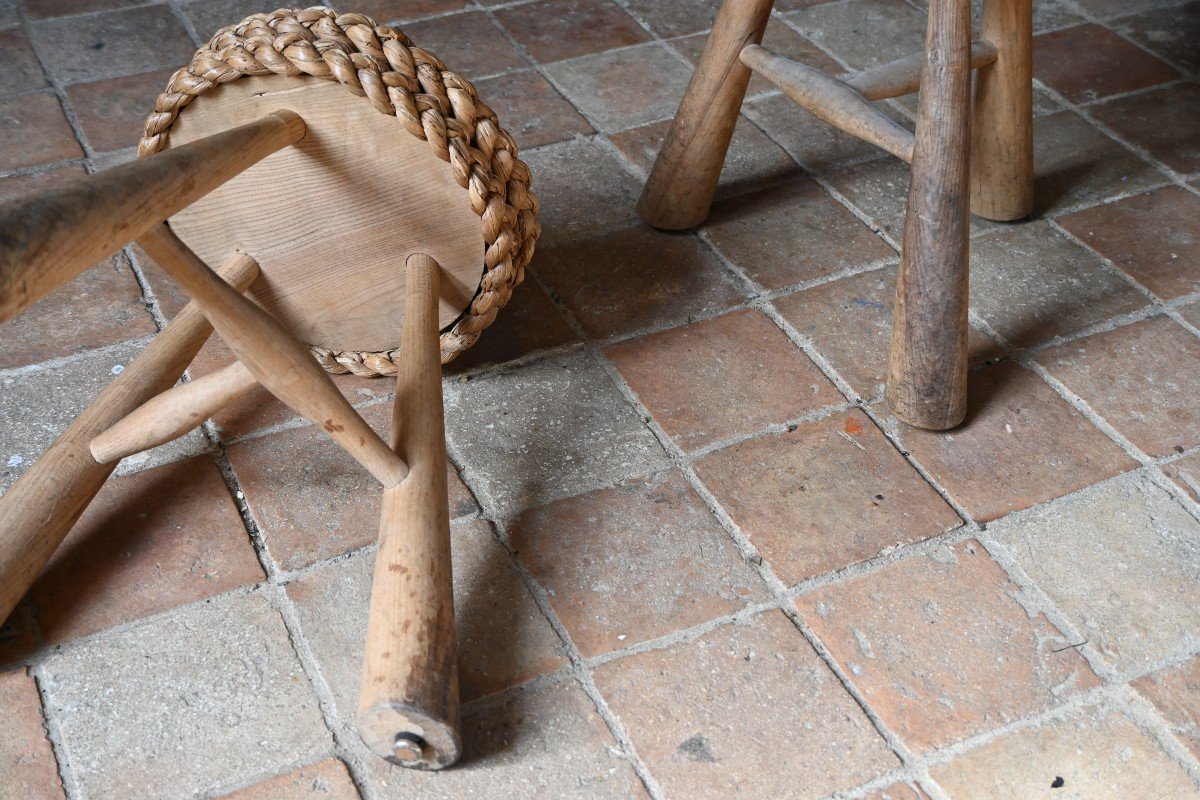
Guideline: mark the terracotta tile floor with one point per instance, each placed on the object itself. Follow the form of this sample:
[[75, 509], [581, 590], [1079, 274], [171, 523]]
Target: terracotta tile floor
[[695, 555]]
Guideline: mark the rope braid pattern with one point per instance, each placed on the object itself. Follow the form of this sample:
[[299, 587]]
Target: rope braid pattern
[[401, 80]]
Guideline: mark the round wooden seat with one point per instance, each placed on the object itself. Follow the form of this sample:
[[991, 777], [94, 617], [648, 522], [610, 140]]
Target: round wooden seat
[[399, 157]]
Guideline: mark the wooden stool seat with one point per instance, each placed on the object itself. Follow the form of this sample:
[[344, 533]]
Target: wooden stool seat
[[309, 179]]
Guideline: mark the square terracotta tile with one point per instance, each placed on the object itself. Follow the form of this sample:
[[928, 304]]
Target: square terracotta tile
[[899, 791], [194, 702], [752, 160], [1169, 32], [18, 185], [22, 72], [864, 33], [529, 323], [1150, 236], [102, 306], [34, 131], [1186, 474], [830, 494], [311, 499], [849, 321], [1143, 378], [1090, 754], [550, 429], [1078, 166], [128, 41], [113, 112], [27, 764], [554, 30], [1165, 122], [706, 716], [779, 38], [1106, 9], [1175, 692], [623, 88], [1191, 313], [622, 282], [468, 43], [502, 637], [633, 562], [531, 109], [1122, 561], [1020, 445], [941, 648], [1088, 62], [1032, 284], [544, 742], [738, 374], [389, 12], [792, 234], [325, 780], [815, 144], [208, 16], [150, 541], [582, 186], [670, 18]]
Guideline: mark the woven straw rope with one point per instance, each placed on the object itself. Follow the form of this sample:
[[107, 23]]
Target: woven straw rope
[[400, 80]]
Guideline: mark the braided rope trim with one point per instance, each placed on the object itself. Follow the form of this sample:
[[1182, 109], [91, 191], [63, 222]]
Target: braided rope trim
[[400, 80]]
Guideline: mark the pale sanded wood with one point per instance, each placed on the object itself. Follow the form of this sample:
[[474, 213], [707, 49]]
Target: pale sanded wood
[[927, 369], [39, 509], [830, 100], [332, 220], [48, 238], [280, 363], [408, 708], [1002, 131], [683, 181], [903, 76], [173, 413]]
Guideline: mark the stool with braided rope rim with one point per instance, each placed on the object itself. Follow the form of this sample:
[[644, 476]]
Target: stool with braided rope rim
[[367, 208]]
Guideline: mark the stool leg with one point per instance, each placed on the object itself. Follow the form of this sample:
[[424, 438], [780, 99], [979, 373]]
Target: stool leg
[[927, 370], [1002, 132], [408, 707], [683, 181]]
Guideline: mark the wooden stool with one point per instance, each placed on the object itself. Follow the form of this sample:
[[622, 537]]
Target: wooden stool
[[363, 190], [927, 370]]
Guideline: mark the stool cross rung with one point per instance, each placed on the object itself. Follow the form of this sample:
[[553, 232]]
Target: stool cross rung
[[903, 76], [831, 100]]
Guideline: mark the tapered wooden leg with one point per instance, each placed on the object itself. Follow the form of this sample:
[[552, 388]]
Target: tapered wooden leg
[[280, 363], [927, 370], [39, 509], [683, 181], [408, 710], [1002, 131]]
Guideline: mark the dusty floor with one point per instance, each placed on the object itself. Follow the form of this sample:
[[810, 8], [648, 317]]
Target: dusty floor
[[695, 556]]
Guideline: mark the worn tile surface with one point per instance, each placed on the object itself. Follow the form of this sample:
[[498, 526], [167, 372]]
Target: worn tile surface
[[623, 88], [176, 707], [1142, 378], [1175, 692], [630, 563], [678, 703], [27, 765], [85, 48], [1122, 561], [1162, 122], [745, 375], [825, 496], [34, 132], [325, 780], [1090, 62], [1094, 755], [555, 30], [910, 634]]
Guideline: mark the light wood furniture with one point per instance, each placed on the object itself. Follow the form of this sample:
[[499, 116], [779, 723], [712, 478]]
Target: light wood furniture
[[378, 218], [967, 154]]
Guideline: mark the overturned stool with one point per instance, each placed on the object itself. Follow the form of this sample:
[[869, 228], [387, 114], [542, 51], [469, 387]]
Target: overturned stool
[[363, 202]]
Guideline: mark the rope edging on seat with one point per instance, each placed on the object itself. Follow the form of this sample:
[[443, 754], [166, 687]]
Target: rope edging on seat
[[399, 79]]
